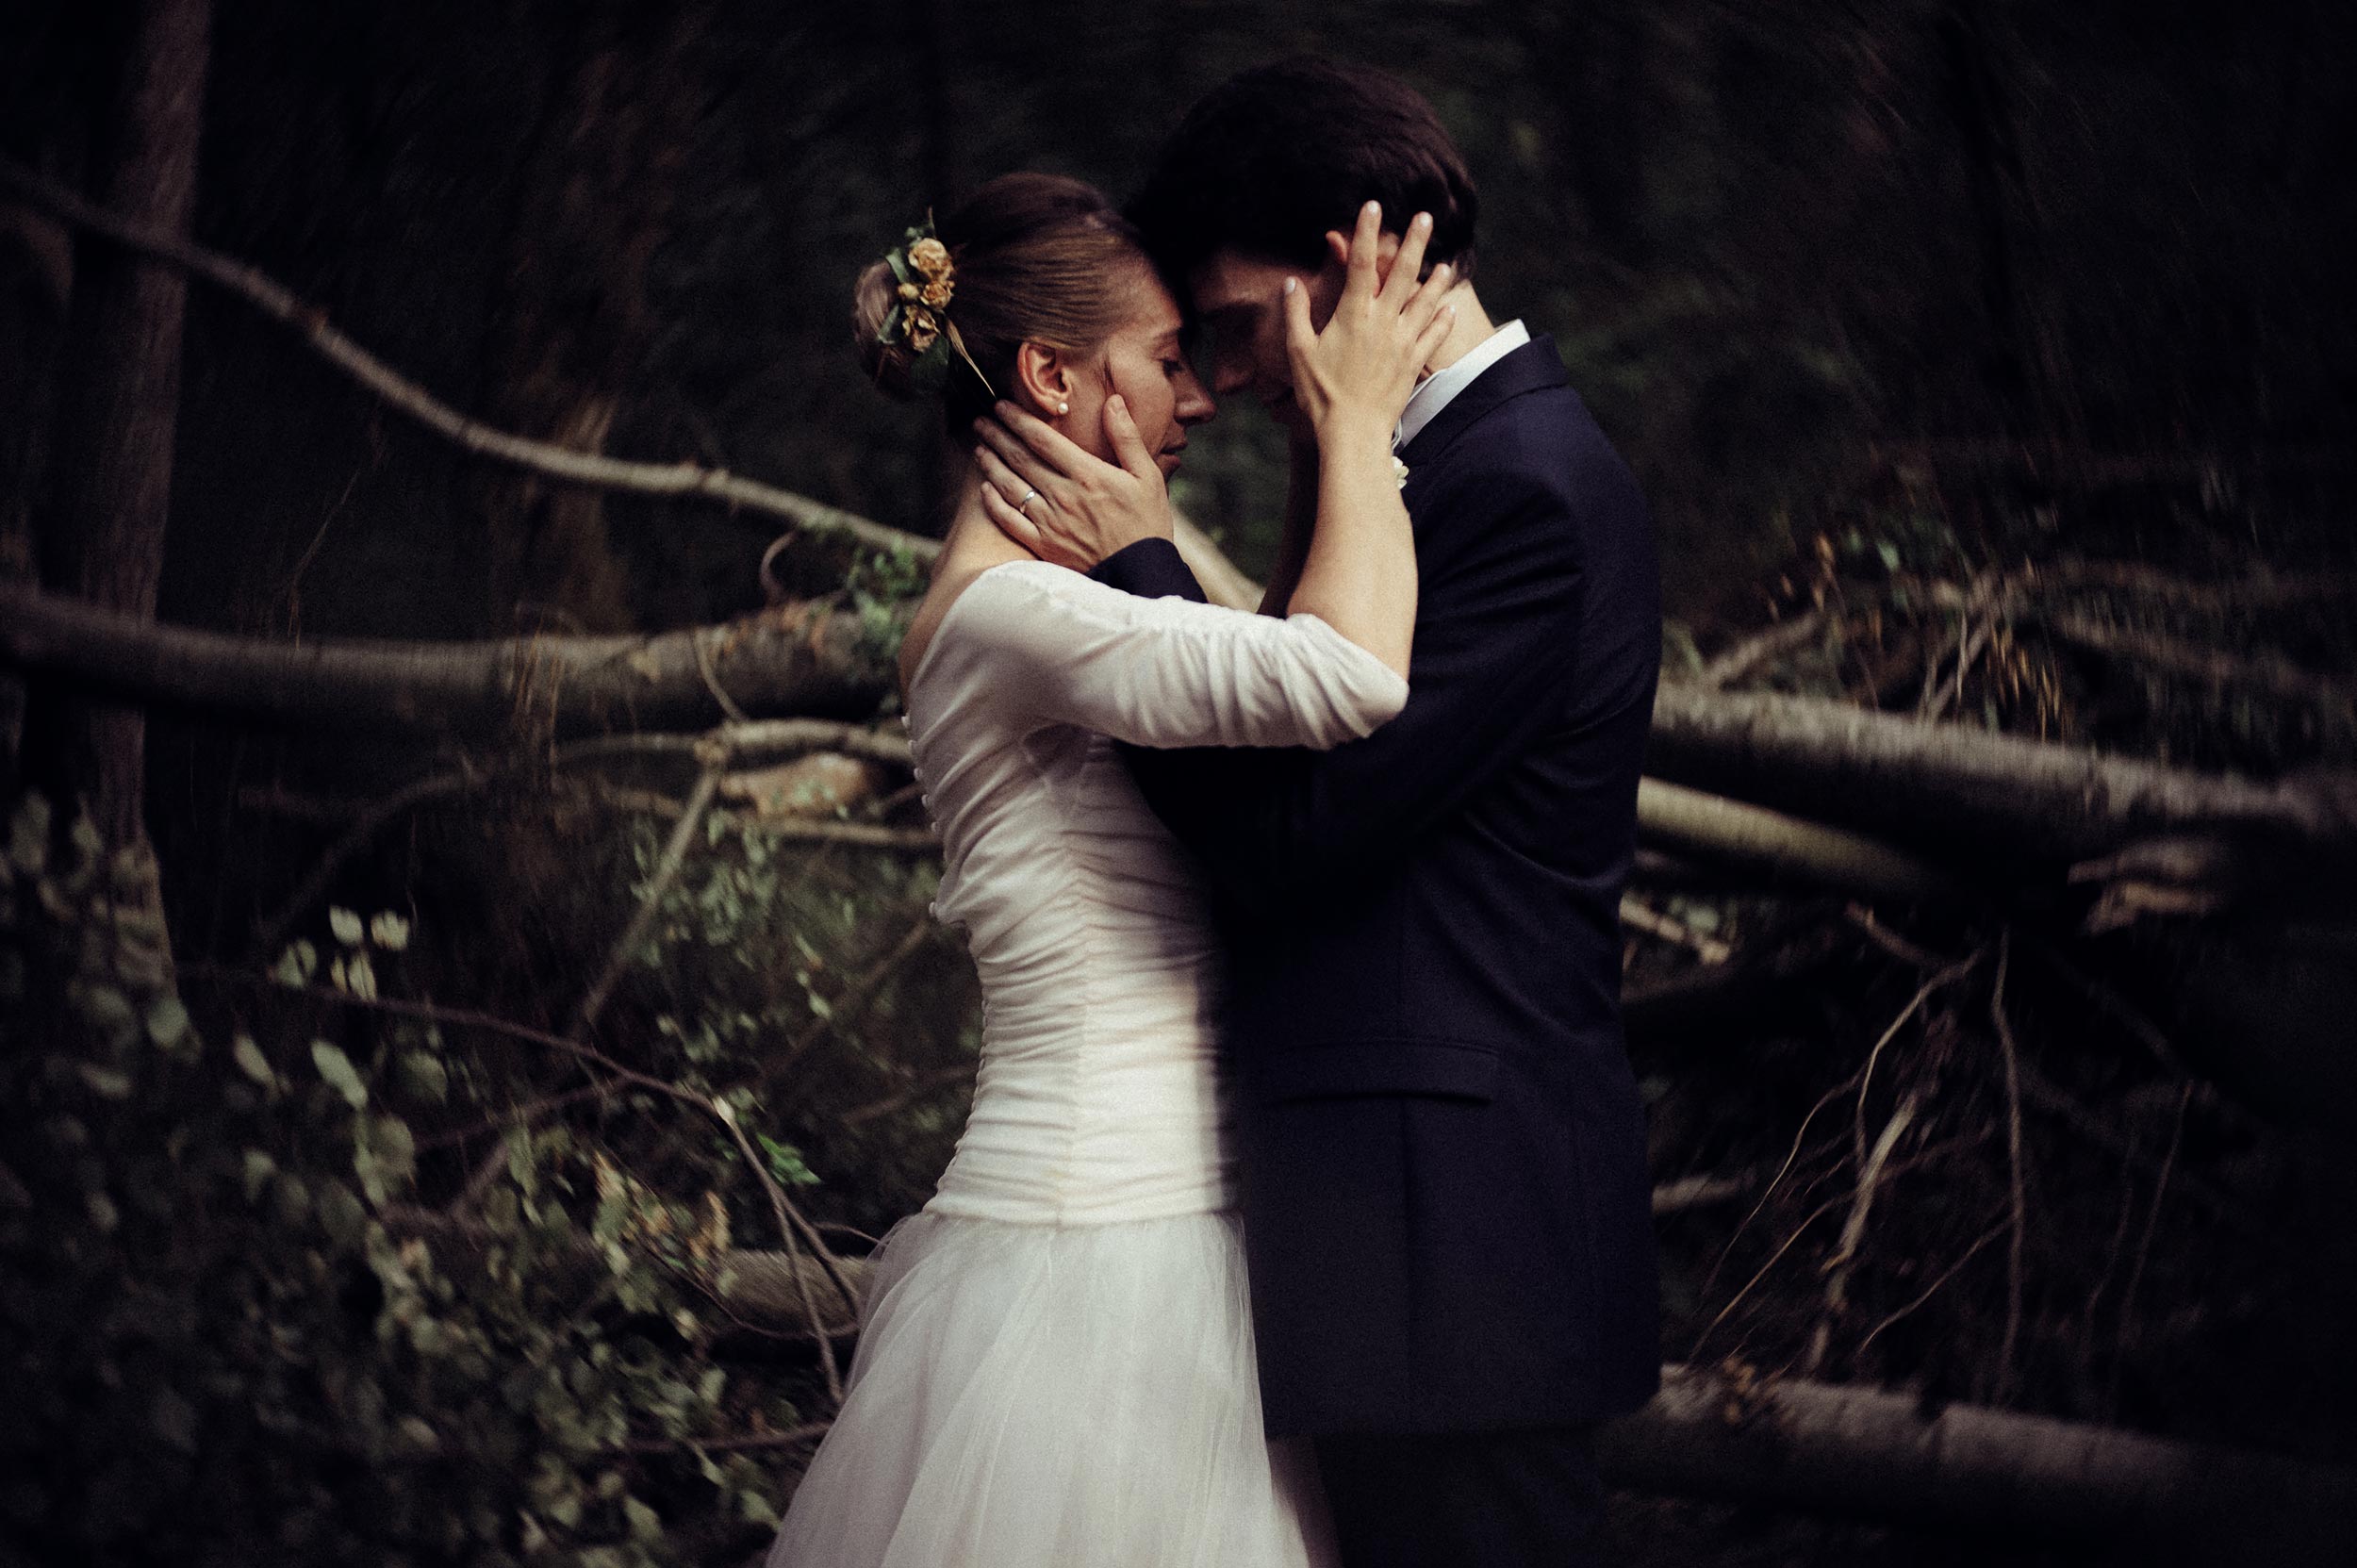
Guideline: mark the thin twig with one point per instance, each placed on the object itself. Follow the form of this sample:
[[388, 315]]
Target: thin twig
[[792, 1437], [2145, 1031], [918, 1088], [389, 387], [2043, 1093], [2262, 669], [1898, 947], [789, 830], [2016, 1200], [1700, 1192], [785, 1216], [712, 684], [1799, 1139], [517, 1117], [853, 1002], [773, 737], [1752, 651], [1933, 1289], [1865, 1078], [1638, 916], [791, 1223], [347, 848], [1854, 1229], [1921, 1157], [649, 908]]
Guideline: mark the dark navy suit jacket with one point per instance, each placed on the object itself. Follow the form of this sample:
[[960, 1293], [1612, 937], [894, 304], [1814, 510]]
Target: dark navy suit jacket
[[1442, 1153]]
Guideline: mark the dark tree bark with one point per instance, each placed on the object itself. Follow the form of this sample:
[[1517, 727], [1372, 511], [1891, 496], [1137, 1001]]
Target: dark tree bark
[[103, 535], [573, 321], [1963, 1467]]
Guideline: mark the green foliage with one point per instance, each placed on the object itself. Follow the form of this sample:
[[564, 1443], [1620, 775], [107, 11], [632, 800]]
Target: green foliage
[[883, 587], [805, 985], [233, 1335]]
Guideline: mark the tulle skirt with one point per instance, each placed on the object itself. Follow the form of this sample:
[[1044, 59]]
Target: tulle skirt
[[1029, 1395]]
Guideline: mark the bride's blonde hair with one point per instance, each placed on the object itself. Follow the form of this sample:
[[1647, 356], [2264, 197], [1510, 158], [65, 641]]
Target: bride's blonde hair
[[1037, 258]]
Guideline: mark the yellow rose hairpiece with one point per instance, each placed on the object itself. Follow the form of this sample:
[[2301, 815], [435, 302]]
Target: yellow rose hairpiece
[[924, 284]]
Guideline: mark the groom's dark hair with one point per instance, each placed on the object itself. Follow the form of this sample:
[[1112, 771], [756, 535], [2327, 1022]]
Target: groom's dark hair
[[1271, 159]]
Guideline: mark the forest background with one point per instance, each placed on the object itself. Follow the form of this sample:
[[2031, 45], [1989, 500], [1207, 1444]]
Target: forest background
[[447, 1092]]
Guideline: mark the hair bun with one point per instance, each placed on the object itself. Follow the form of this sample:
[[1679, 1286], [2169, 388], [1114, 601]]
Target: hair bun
[[887, 364]]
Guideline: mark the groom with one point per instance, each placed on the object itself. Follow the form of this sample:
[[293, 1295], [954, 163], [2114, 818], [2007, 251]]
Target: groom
[[1441, 1145]]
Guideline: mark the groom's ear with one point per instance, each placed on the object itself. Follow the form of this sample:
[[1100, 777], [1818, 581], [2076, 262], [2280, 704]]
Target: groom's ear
[[1042, 378], [1338, 255]]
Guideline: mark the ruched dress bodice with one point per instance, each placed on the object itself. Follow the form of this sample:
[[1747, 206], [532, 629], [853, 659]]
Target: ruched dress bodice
[[1056, 1361], [1098, 1100]]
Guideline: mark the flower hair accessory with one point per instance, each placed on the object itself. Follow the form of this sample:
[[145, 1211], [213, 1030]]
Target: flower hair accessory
[[925, 283]]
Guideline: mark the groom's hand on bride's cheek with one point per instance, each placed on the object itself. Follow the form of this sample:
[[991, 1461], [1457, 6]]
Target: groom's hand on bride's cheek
[[1060, 501]]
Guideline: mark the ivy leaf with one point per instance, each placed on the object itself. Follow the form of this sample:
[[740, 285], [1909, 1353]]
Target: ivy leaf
[[346, 926], [785, 1162], [341, 1216], [110, 1013], [645, 1524], [253, 1063], [297, 964], [383, 1156], [425, 1077], [340, 1074], [259, 1168], [389, 932], [295, 1201], [106, 1082], [28, 835], [168, 1022]]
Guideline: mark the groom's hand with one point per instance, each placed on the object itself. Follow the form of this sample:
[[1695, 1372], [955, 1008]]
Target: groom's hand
[[1057, 501]]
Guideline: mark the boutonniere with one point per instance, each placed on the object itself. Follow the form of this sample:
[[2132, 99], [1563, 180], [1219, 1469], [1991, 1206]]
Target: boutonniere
[[1399, 470]]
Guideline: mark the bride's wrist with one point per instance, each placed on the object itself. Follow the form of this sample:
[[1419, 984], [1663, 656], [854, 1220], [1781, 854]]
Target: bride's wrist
[[1349, 430]]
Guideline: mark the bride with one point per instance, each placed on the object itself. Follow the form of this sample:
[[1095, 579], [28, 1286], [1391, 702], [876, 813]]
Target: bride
[[1055, 1363]]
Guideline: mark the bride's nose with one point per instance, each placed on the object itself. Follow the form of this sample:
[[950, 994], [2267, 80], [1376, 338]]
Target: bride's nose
[[1195, 405]]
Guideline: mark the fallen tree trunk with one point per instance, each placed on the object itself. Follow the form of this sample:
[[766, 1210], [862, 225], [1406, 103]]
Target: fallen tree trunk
[[1861, 1451], [795, 659], [1953, 790], [1784, 848], [1930, 783], [1865, 1452]]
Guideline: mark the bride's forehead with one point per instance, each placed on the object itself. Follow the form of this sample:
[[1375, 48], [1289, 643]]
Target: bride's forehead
[[1153, 313]]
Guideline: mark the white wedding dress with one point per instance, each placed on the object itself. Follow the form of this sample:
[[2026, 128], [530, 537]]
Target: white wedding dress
[[1055, 1364]]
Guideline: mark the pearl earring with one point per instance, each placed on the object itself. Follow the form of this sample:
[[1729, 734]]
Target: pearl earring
[[1064, 408]]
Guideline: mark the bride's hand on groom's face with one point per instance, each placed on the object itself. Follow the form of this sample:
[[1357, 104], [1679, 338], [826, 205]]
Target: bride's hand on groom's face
[[1355, 373], [1057, 501]]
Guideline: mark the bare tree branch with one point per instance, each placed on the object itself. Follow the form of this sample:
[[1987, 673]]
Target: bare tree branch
[[1863, 1451], [1973, 789], [1752, 837], [2260, 669], [1222, 582], [686, 480], [803, 659]]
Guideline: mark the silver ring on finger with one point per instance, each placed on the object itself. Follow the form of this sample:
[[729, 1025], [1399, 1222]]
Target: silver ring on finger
[[1024, 505]]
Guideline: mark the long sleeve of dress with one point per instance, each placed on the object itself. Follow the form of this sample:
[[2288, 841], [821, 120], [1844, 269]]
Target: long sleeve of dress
[[1165, 672]]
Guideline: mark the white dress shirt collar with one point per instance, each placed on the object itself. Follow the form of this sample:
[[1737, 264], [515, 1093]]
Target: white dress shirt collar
[[1440, 387]]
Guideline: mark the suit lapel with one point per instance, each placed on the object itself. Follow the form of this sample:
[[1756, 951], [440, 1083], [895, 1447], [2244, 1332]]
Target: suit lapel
[[1532, 368]]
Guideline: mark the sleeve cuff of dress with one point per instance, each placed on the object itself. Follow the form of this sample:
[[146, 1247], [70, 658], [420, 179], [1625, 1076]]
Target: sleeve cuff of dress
[[1151, 569]]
